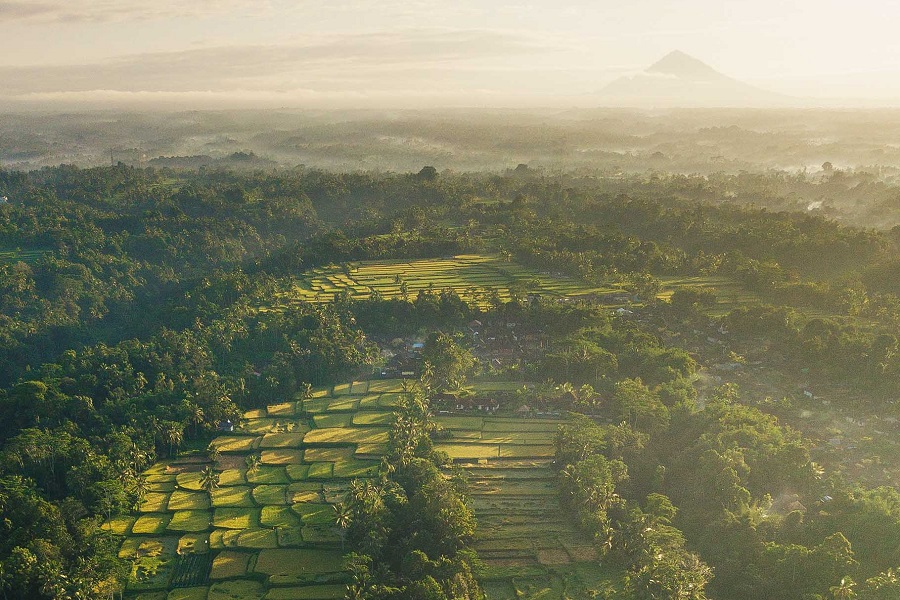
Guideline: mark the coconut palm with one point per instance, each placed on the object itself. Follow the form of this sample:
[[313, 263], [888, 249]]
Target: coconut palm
[[213, 452], [209, 479], [197, 416], [342, 518], [173, 435], [844, 590], [141, 487], [252, 461]]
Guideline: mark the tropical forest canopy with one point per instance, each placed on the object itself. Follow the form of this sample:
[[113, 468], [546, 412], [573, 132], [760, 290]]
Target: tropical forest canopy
[[726, 374]]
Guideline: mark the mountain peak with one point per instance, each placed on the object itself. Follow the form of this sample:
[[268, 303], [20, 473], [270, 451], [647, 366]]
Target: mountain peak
[[678, 79], [684, 66]]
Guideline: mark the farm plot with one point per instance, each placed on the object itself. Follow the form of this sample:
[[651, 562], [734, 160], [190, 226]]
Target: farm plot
[[268, 529], [280, 509], [473, 277], [528, 546], [11, 257]]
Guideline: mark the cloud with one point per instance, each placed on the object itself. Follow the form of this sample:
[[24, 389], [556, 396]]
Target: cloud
[[117, 10], [12, 11], [335, 62]]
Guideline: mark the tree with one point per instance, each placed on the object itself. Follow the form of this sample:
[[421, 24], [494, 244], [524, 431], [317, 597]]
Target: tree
[[428, 173], [844, 590], [343, 516], [448, 362], [141, 488], [638, 406], [209, 479], [252, 461], [173, 435]]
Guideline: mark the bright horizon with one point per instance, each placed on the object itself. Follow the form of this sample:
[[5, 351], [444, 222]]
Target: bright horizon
[[366, 53]]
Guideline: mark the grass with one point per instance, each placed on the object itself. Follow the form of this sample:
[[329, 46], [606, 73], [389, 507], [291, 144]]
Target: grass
[[314, 514], [234, 496], [348, 404], [309, 592], [472, 277], [510, 425], [281, 456], [278, 516], [237, 590], [285, 409], [312, 455], [189, 481], [30, 257], [187, 500], [236, 518], [189, 520], [321, 470], [283, 511], [353, 468], [347, 435], [333, 420], [385, 385], [268, 474], [258, 538], [282, 440], [229, 477], [120, 525], [191, 593], [229, 564], [155, 502], [193, 542], [151, 524], [464, 423], [373, 418], [290, 561], [297, 472], [270, 494], [235, 443]]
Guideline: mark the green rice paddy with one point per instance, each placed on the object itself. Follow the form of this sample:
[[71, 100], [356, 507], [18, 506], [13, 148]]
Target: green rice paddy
[[271, 533], [11, 257], [473, 277]]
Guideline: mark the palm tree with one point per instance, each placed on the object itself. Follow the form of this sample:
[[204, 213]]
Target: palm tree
[[209, 479], [844, 590], [173, 435], [342, 518], [197, 416], [141, 487], [252, 461], [214, 453]]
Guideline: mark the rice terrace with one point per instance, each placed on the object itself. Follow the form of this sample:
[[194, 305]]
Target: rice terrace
[[475, 278], [268, 529]]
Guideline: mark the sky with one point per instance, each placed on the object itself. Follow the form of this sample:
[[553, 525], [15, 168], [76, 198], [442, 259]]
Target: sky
[[421, 53]]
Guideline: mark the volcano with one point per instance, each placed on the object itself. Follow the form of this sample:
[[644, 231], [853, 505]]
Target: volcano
[[678, 79]]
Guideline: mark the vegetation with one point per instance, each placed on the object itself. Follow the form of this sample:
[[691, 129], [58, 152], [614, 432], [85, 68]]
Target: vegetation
[[192, 396]]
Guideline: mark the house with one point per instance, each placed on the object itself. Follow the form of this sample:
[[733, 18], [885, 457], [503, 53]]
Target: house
[[226, 425], [4, 200], [488, 405], [464, 403]]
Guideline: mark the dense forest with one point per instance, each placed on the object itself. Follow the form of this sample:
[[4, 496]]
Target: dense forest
[[138, 313]]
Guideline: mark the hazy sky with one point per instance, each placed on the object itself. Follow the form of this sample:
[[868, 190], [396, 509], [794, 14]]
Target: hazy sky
[[424, 53]]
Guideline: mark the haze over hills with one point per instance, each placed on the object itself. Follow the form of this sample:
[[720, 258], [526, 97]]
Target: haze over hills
[[678, 80]]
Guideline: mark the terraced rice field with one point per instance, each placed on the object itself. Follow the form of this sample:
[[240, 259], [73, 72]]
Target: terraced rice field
[[9, 257], [270, 533], [528, 545], [473, 277], [730, 294]]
